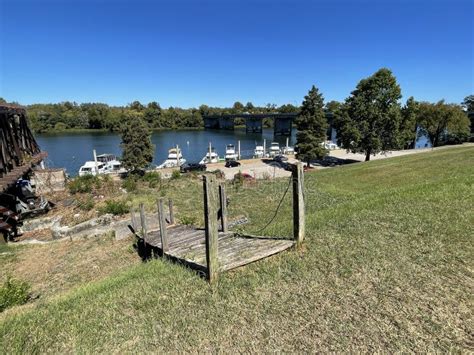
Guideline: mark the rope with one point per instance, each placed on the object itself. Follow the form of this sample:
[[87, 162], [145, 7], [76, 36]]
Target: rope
[[277, 209]]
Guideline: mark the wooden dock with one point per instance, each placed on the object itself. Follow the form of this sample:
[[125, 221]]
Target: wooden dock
[[215, 249], [188, 245]]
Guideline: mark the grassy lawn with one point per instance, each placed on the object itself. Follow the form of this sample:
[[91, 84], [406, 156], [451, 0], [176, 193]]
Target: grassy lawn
[[386, 266]]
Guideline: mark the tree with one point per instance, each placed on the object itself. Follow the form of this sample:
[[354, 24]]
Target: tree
[[408, 124], [312, 125], [443, 122], [468, 103], [369, 120], [152, 114], [288, 108], [238, 107], [136, 144]]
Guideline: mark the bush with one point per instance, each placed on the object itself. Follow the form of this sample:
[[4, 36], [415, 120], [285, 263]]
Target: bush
[[13, 292], [153, 178], [188, 220], [87, 204], [219, 173], [114, 207], [130, 183], [83, 184], [238, 179], [175, 175]]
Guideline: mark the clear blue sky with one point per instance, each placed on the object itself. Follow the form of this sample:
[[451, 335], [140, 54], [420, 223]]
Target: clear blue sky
[[185, 53]]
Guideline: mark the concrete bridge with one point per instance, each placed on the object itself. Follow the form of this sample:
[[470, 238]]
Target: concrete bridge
[[283, 122]]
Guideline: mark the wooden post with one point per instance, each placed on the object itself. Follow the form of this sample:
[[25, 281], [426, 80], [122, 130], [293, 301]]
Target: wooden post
[[210, 221], [170, 206], [298, 203], [143, 222], [162, 221], [223, 205], [133, 219]]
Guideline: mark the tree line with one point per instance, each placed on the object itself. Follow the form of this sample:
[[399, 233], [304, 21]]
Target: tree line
[[71, 115], [372, 119]]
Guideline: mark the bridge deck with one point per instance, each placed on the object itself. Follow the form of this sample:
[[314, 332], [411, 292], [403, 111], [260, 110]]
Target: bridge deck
[[9, 178], [188, 245]]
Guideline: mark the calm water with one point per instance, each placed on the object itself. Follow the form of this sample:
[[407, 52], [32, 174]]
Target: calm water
[[71, 150]]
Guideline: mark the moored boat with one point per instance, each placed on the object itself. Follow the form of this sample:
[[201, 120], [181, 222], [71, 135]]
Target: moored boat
[[175, 158], [230, 153], [102, 164], [211, 157], [259, 152], [274, 149]]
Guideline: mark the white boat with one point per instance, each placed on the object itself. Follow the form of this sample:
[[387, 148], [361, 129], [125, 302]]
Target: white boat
[[175, 158], [274, 149], [329, 145], [102, 164], [288, 150], [258, 152], [230, 153], [92, 168], [210, 157]]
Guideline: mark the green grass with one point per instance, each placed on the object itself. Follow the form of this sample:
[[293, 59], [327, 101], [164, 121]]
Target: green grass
[[386, 266]]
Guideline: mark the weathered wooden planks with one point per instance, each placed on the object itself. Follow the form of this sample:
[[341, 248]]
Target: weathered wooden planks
[[189, 245]]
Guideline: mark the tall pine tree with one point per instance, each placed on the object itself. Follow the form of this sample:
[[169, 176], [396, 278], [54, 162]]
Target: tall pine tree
[[136, 144], [312, 126]]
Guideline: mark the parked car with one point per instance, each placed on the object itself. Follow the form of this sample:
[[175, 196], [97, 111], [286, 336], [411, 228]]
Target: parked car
[[280, 158], [188, 167], [232, 164]]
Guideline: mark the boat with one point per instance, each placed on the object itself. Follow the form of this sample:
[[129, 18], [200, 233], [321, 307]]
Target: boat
[[102, 164], [92, 168], [210, 157], [288, 150], [259, 152], [274, 149], [230, 153], [330, 145], [175, 158]]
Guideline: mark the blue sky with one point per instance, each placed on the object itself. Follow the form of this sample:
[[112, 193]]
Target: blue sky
[[186, 53]]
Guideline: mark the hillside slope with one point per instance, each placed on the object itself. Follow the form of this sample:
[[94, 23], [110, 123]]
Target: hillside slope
[[386, 265]]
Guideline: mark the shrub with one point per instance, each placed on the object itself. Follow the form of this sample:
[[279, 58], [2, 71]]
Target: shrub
[[13, 292], [114, 207], [87, 204], [153, 178], [188, 220], [219, 173], [130, 183], [83, 184], [238, 179], [175, 175]]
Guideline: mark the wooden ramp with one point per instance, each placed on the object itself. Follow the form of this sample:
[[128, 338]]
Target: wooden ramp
[[188, 245]]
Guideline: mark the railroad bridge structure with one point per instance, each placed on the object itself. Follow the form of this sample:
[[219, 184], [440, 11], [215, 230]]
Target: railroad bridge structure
[[283, 122], [19, 151]]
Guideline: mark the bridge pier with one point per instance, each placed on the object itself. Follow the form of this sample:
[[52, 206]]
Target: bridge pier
[[226, 123], [211, 122], [253, 125], [282, 126]]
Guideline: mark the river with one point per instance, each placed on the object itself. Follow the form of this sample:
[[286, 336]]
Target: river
[[71, 150]]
